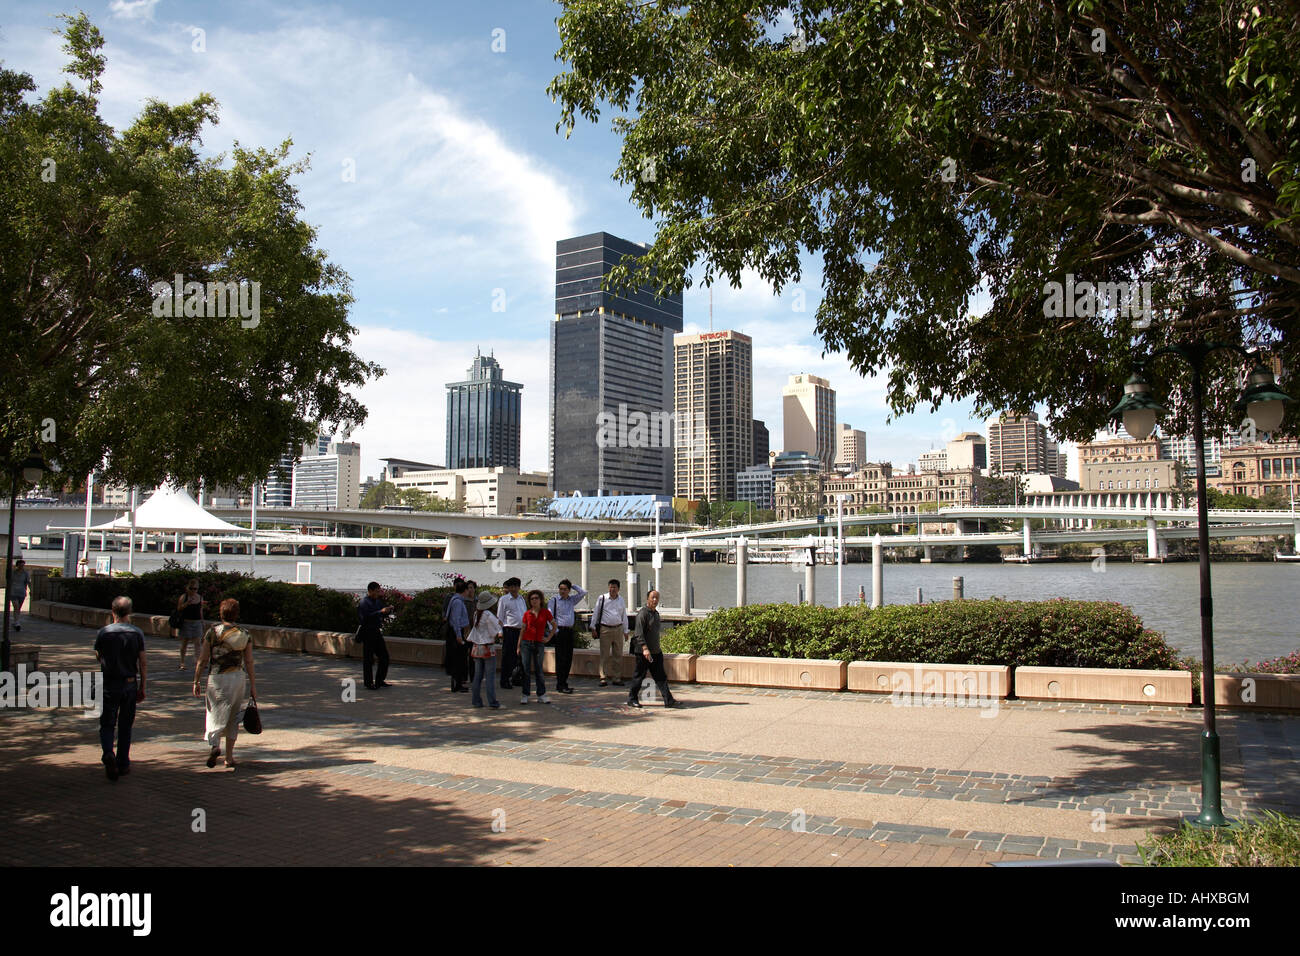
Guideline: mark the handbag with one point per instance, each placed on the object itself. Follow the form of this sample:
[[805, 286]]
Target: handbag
[[252, 719], [174, 622], [517, 675]]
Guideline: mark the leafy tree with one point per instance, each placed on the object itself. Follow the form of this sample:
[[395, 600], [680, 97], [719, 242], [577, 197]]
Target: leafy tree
[[91, 221], [1214, 498], [381, 496], [702, 513], [928, 150], [1276, 500]]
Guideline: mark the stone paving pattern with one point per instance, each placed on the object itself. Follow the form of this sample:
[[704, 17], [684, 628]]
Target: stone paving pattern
[[739, 776]]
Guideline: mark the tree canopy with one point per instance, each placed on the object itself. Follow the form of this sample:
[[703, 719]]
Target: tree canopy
[[100, 364], [928, 151]]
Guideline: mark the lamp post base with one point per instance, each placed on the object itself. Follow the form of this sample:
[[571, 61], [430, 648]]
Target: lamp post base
[[1211, 814]]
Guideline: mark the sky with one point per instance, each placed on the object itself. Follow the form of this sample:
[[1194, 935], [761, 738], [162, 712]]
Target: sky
[[439, 183]]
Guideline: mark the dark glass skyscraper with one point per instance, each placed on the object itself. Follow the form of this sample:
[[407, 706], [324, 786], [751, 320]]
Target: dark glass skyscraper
[[611, 375], [483, 418]]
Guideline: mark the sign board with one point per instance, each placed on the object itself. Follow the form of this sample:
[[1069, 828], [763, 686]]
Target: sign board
[[657, 561], [303, 575], [104, 564]]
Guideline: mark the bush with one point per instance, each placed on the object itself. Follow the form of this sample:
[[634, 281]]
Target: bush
[[1058, 633], [1290, 664], [1273, 840]]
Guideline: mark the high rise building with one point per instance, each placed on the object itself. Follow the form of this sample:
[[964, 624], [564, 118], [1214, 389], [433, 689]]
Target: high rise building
[[1183, 449], [277, 490], [332, 480], [611, 363], [1018, 444], [714, 393], [483, 418], [851, 447], [808, 412], [967, 451], [761, 443]]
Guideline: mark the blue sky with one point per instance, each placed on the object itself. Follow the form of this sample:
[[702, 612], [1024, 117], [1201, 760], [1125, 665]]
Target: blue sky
[[437, 178]]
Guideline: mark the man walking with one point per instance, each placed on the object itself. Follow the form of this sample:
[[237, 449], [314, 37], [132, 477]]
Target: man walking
[[609, 621], [120, 649], [649, 654], [510, 612], [372, 612], [561, 608]]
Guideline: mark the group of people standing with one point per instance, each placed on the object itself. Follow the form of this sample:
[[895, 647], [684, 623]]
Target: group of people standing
[[524, 625]]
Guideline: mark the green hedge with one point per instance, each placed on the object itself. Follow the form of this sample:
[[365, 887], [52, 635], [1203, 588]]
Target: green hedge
[[1059, 633]]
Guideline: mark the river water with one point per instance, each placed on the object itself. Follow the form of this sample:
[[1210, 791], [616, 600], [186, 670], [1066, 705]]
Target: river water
[[1256, 604]]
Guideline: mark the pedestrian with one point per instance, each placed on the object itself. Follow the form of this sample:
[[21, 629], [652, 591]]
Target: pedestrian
[[609, 621], [372, 612], [649, 654], [510, 612], [561, 608], [456, 615], [20, 580], [120, 649], [228, 655], [191, 606], [539, 625], [483, 649]]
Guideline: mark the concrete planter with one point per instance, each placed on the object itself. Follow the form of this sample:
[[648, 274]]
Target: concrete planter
[[1104, 684], [771, 672], [288, 640], [330, 644], [28, 655], [1258, 691], [414, 650], [941, 680]]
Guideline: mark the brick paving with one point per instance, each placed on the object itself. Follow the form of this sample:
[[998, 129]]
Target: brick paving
[[403, 782]]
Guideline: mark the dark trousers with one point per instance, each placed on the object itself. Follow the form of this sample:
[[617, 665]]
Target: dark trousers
[[655, 667], [456, 662], [563, 644], [374, 647], [118, 715], [509, 654]]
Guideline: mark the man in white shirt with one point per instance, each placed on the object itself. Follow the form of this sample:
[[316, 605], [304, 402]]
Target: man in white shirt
[[610, 620], [510, 611]]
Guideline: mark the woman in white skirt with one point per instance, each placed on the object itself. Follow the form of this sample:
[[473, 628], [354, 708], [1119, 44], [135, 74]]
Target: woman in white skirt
[[229, 650]]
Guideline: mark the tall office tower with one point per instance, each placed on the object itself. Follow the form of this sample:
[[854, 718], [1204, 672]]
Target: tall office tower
[[1017, 444], [714, 402], [611, 394], [851, 447], [761, 443], [332, 480], [808, 407], [968, 451], [277, 492], [483, 418]]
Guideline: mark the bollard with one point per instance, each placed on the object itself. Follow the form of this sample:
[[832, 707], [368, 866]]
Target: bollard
[[742, 567], [919, 599], [958, 588], [687, 588], [810, 581], [798, 594], [877, 571]]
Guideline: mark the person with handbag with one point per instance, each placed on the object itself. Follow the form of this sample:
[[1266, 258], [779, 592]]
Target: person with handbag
[[228, 654], [483, 649], [539, 625], [562, 607], [609, 622], [510, 611], [188, 618], [370, 634]]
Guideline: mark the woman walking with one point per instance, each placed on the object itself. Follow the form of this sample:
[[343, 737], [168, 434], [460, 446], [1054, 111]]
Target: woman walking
[[539, 625], [228, 649], [190, 605], [482, 643]]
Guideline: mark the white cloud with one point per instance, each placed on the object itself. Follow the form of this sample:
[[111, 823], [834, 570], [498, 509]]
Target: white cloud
[[132, 9]]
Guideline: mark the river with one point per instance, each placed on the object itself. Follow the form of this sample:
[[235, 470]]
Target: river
[[1257, 604]]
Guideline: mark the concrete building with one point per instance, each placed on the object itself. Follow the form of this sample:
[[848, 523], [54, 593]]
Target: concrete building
[[1018, 444], [331, 480], [483, 417], [851, 447], [1183, 450], [875, 489], [489, 491], [1258, 469], [808, 415], [1123, 463], [394, 468], [714, 392], [611, 362], [967, 451], [934, 460], [762, 442], [756, 484]]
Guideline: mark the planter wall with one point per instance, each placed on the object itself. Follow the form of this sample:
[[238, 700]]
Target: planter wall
[[944, 680], [1104, 684], [771, 672], [1258, 691]]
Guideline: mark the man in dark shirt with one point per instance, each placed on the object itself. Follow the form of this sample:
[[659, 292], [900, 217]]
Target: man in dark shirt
[[649, 655], [371, 612], [120, 649]]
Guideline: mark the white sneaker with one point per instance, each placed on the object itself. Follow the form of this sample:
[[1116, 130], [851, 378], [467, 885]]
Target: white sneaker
[[544, 699], [524, 699]]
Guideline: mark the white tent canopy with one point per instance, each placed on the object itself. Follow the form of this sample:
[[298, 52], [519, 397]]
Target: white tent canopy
[[172, 510]]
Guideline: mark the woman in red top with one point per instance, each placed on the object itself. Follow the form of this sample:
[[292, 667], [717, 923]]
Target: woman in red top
[[539, 625]]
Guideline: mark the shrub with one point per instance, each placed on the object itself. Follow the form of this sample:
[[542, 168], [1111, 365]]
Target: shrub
[[1290, 664], [1058, 633], [1273, 840]]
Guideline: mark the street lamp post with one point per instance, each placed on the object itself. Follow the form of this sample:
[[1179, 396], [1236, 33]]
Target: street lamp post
[[31, 470], [1138, 410]]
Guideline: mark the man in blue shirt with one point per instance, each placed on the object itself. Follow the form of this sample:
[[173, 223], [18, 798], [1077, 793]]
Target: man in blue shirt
[[120, 649], [372, 612], [561, 608], [455, 613]]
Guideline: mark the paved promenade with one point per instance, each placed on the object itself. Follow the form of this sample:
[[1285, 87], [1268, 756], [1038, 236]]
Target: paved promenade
[[413, 774]]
